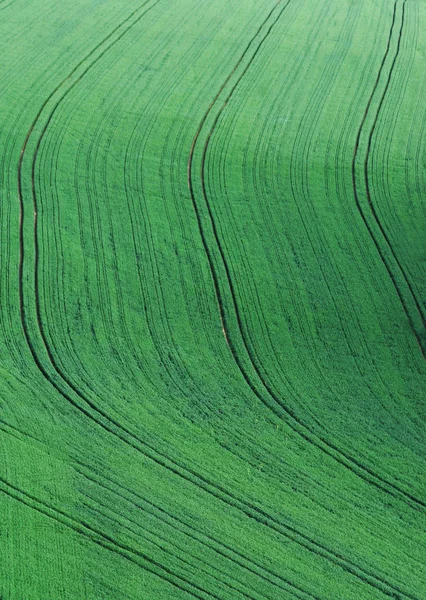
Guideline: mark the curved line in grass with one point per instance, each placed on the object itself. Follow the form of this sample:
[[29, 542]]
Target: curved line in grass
[[102, 539], [106, 422], [275, 404], [126, 435], [373, 210], [364, 473]]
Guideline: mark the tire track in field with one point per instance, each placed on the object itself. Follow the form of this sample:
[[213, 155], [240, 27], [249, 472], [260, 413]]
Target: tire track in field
[[3, 8], [97, 234], [102, 539], [158, 327], [278, 258], [131, 151], [16, 432], [283, 93], [302, 429], [347, 33], [314, 108], [112, 426], [20, 164], [273, 403], [20, 175], [382, 143], [341, 190], [346, 192], [374, 213], [115, 428], [173, 551], [177, 523], [416, 145], [419, 173], [107, 324], [123, 433]]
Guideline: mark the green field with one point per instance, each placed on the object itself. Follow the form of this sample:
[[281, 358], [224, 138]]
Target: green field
[[213, 300]]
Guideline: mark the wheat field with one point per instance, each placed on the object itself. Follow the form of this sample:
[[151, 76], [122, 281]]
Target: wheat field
[[213, 300]]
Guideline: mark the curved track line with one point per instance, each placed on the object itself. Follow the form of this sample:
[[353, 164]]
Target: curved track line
[[348, 461], [367, 183], [125, 434], [224, 550], [102, 539], [7, 5], [20, 176]]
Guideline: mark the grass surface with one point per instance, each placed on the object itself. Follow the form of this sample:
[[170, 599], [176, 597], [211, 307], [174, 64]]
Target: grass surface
[[213, 283]]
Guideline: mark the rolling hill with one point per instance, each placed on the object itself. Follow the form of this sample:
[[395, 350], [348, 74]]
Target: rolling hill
[[213, 300]]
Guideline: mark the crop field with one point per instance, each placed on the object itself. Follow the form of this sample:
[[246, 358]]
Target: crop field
[[213, 300]]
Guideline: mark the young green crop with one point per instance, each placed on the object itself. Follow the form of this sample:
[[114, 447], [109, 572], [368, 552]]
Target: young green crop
[[212, 300]]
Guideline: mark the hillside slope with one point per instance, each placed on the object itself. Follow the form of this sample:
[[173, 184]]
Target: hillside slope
[[213, 286]]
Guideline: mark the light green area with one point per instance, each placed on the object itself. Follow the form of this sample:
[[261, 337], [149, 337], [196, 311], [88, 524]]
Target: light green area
[[212, 284]]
